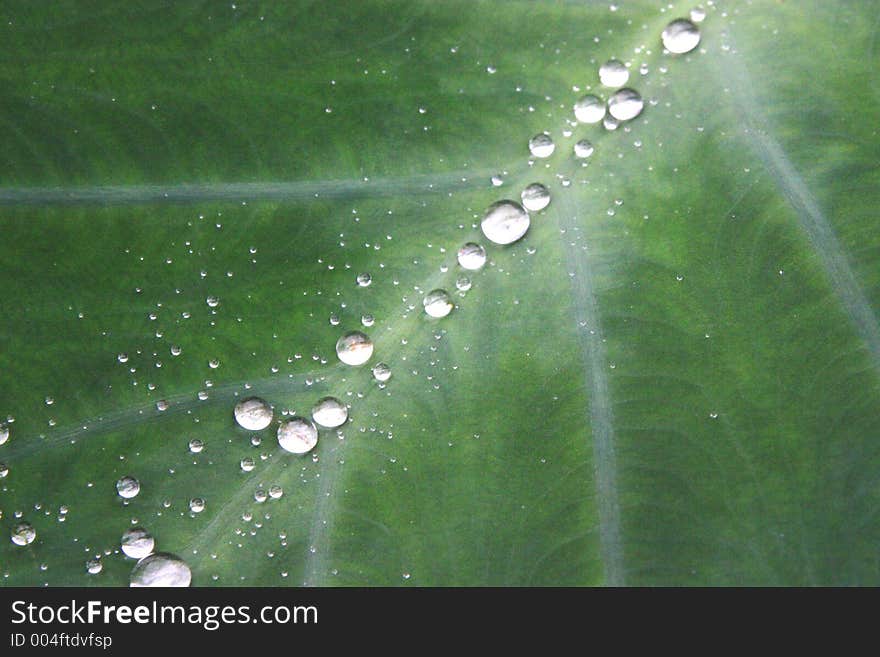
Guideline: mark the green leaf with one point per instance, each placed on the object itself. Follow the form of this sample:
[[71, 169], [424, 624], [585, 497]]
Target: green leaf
[[672, 379]]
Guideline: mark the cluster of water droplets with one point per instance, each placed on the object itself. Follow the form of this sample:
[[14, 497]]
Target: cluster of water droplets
[[504, 222]]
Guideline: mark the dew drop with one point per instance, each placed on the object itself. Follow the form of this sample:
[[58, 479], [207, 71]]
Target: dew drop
[[297, 435], [23, 533], [253, 414], [589, 109], [541, 145], [437, 303], [94, 566], [4, 433], [128, 487], [583, 149], [247, 464], [329, 412], [505, 222], [698, 14], [161, 570], [613, 73], [472, 256], [680, 36], [137, 543], [497, 180], [212, 301], [625, 104], [122, 358], [276, 492], [364, 279], [381, 372], [197, 504], [535, 197], [4, 470], [196, 445], [463, 283], [354, 348]]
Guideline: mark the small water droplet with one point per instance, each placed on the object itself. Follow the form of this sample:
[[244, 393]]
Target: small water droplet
[[589, 109], [329, 412], [253, 414], [680, 36], [364, 279], [625, 104], [472, 256], [128, 487], [505, 222], [213, 301], [437, 303], [94, 566], [137, 543], [247, 464], [297, 435], [535, 197], [161, 570], [541, 145], [583, 149], [197, 505], [196, 445], [613, 73], [23, 533], [381, 372], [354, 348]]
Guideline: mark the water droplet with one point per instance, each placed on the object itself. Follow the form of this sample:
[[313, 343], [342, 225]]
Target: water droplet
[[368, 320], [247, 464], [4, 470], [437, 303], [583, 149], [161, 570], [329, 412], [260, 495], [698, 14], [23, 533], [137, 543], [212, 301], [381, 372], [613, 73], [122, 358], [253, 414], [354, 348], [94, 566], [472, 256], [297, 435], [535, 197], [497, 180], [197, 505], [625, 104], [463, 284], [128, 487], [364, 279], [276, 492], [505, 222], [541, 145], [175, 350], [589, 109], [161, 405], [196, 445], [334, 319], [680, 36]]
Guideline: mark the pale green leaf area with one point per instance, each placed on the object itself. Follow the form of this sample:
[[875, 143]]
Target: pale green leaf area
[[672, 379]]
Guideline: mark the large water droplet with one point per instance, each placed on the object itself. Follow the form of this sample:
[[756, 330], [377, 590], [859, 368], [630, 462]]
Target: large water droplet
[[472, 256], [354, 348], [381, 372], [128, 487], [437, 303], [253, 414], [680, 36], [589, 109], [613, 73], [297, 435], [329, 412], [535, 197], [137, 543], [583, 149], [161, 569], [625, 104], [541, 145], [505, 222], [23, 533]]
